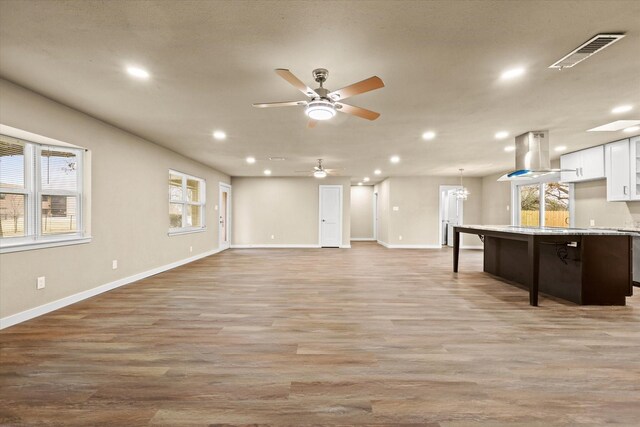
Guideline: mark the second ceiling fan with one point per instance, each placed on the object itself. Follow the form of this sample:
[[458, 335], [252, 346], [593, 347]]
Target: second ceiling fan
[[324, 104]]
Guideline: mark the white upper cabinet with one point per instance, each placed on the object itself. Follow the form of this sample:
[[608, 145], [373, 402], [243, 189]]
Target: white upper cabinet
[[634, 151], [618, 169], [588, 165]]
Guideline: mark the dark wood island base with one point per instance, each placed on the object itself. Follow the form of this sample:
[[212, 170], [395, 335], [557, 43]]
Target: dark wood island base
[[582, 266]]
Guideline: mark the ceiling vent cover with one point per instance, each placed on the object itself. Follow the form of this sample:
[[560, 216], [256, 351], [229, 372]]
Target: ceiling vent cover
[[586, 49]]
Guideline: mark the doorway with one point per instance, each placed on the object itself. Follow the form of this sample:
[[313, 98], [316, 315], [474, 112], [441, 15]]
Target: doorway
[[451, 213], [330, 216], [224, 217]]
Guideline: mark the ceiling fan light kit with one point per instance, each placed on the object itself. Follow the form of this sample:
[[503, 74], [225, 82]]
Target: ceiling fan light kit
[[320, 110], [319, 174], [324, 104]]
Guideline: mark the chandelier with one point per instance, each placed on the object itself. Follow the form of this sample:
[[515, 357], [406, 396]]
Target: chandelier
[[462, 193]]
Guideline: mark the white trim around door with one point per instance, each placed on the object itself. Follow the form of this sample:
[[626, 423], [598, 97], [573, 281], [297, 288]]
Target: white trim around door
[[323, 222], [224, 216]]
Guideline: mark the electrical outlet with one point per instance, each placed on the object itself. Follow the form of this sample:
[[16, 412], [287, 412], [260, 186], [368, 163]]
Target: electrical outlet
[[508, 208], [190, 248], [273, 236], [40, 284], [592, 222], [399, 237], [114, 264], [215, 208]]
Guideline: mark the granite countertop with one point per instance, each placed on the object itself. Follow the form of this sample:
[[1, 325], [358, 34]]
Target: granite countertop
[[550, 231]]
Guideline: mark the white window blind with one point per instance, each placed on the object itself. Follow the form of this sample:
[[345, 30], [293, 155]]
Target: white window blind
[[186, 202], [40, 191]]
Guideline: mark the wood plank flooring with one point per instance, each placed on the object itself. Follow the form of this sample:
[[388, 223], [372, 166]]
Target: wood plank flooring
[[367, 336]]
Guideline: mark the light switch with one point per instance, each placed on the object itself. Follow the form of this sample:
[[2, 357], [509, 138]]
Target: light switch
[[114, 264], [396, 208]]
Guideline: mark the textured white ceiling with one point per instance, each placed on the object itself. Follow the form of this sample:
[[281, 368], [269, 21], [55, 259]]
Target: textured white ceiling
[[440, 61]]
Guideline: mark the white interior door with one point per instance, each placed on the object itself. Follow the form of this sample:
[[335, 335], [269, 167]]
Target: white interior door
[[224, 217], [330, 215], [451, 209]]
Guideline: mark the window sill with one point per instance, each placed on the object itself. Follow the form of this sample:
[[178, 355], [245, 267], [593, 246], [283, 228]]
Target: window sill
[[186, 231], [42, 244]]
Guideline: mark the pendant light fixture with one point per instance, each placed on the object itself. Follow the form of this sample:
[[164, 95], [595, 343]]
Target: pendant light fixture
[[462, 193]]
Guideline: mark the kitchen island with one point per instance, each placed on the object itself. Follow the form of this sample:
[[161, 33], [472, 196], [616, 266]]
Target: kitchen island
[[584, 266]]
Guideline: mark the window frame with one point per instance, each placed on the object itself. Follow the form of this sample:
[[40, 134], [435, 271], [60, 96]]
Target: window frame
[[33, 192], [185, 203], [541, 181]]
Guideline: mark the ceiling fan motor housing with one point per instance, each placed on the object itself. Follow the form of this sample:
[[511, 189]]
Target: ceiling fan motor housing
[[320, 75]]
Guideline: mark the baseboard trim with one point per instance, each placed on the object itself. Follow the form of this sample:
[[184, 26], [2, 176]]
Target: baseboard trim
[[363, 239], [274, 246], [32, 313], [413, 246], [277, 246]]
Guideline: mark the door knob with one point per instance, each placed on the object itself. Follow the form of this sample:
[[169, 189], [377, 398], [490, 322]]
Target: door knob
[[323, 220]]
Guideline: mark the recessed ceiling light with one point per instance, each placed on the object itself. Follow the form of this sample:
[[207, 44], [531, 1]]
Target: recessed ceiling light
[[632, 129], [512, 73], [502, 134], [394, 159], [509, 148], [251, 160], [219, 135], [561, 148], [138, 72], [377, 171], [622, 109], [359, 183], [615, 126], [267, 172], [366, 179], [276, 159], [428, 135]]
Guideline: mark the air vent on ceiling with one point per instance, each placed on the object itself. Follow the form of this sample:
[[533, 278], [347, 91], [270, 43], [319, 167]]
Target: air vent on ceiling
[[586, 49]]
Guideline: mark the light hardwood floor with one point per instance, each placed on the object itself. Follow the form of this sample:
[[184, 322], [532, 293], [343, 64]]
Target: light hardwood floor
[[367, 336]]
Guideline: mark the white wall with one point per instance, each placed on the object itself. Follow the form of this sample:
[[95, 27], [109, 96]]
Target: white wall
[[591, 203], [129, 215], [496, 200], [416, 223], [362, 212], [283, 207], [382, 189]]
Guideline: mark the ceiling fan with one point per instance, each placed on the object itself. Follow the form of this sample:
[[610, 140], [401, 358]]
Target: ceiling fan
[[319, 171], [324, 104]]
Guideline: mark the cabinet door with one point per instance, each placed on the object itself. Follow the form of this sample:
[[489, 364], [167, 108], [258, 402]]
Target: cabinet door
[[634, 150], [592, 163], [618, 169], [570, 161]]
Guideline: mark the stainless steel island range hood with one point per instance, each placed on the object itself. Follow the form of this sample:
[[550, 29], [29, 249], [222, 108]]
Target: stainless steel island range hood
[[532, 156]]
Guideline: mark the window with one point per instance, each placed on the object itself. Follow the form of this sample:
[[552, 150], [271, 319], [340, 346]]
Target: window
[[186, 203], [40, 193], [542, 204]]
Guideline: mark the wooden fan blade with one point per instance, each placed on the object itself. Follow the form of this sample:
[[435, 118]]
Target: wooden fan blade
[[280, 104], [366, 85], [357, 111], [312, 123], [296, 82]]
